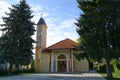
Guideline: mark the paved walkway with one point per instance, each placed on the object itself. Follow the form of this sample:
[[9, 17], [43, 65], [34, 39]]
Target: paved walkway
[[56, 76]]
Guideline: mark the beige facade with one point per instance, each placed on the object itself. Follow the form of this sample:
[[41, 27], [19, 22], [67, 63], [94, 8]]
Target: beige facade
[[50, 62], [81, 66], [45, 62]]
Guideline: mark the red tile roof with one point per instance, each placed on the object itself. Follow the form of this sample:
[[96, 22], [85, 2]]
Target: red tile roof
[[64, 44]]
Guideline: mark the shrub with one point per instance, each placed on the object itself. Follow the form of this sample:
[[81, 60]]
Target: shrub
[[3, 72], [103, 68]]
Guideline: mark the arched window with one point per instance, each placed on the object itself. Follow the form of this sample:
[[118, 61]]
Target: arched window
[[61, 56]]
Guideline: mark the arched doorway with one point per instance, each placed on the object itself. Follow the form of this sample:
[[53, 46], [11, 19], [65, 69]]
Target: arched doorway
[[62, 63]]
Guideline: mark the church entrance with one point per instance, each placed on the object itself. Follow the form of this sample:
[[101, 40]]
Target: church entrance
[[62, 63]]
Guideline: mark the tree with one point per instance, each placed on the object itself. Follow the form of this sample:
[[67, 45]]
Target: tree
[[81, 54], [1, 55], [98, 27], [17, 42]]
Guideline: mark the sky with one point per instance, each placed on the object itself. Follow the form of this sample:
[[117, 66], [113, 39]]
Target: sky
[[59, 16]]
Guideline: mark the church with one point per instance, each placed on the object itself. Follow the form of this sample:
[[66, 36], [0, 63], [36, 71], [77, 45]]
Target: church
[[59, 57]]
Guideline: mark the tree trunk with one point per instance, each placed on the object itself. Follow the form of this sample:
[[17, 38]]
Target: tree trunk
[[89, 65], [17, 67], [108, 70], [10, 69]]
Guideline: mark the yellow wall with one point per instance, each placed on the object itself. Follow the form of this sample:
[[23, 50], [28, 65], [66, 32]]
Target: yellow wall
[[37, 59], [79, 65], [45, 61]]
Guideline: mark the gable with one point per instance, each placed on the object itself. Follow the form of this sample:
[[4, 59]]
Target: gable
[[64, 44]]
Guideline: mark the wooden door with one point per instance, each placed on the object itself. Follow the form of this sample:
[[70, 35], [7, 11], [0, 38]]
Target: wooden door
[[61, 66], [62, 63]]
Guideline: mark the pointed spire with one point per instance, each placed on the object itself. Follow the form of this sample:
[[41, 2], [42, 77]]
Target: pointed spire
[[41, 21]]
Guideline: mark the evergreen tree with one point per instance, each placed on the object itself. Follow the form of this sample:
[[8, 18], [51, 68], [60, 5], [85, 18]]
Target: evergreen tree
[[17, 42], [99, 29], [1, 55], [81, 54]]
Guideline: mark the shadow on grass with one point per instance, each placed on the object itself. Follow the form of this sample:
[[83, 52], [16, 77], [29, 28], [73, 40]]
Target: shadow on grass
[[104, 75], [116, 78], [115, 71], [4, 73]]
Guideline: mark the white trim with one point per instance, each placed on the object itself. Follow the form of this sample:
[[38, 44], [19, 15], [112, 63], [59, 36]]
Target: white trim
[[67, 65]]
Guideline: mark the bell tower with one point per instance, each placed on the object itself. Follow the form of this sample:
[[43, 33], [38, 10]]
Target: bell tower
[[40, 42]]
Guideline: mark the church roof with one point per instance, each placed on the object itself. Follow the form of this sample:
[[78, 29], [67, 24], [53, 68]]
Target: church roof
[[41, 21], [64, 44]]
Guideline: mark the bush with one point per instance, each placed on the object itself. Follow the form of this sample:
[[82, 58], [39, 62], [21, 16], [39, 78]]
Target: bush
[[32, 66], [3, 72], [103, 68]]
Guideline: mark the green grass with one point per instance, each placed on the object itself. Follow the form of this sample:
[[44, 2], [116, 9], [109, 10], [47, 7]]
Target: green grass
[[116, 74]]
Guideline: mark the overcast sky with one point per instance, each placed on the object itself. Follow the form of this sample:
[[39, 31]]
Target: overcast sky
[[59, 16]]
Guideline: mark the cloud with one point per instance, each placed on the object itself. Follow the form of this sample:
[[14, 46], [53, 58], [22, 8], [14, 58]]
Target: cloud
[[67, 23], [58, 29], [36, 8], [3, 8], [57, 32], [37, 11], [18, 0]]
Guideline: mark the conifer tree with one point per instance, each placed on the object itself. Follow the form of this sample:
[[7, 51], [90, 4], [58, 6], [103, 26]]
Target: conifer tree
[[18, 29], [99, 29]]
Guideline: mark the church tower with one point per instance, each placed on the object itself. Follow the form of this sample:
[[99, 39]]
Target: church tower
[[40, 42]]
